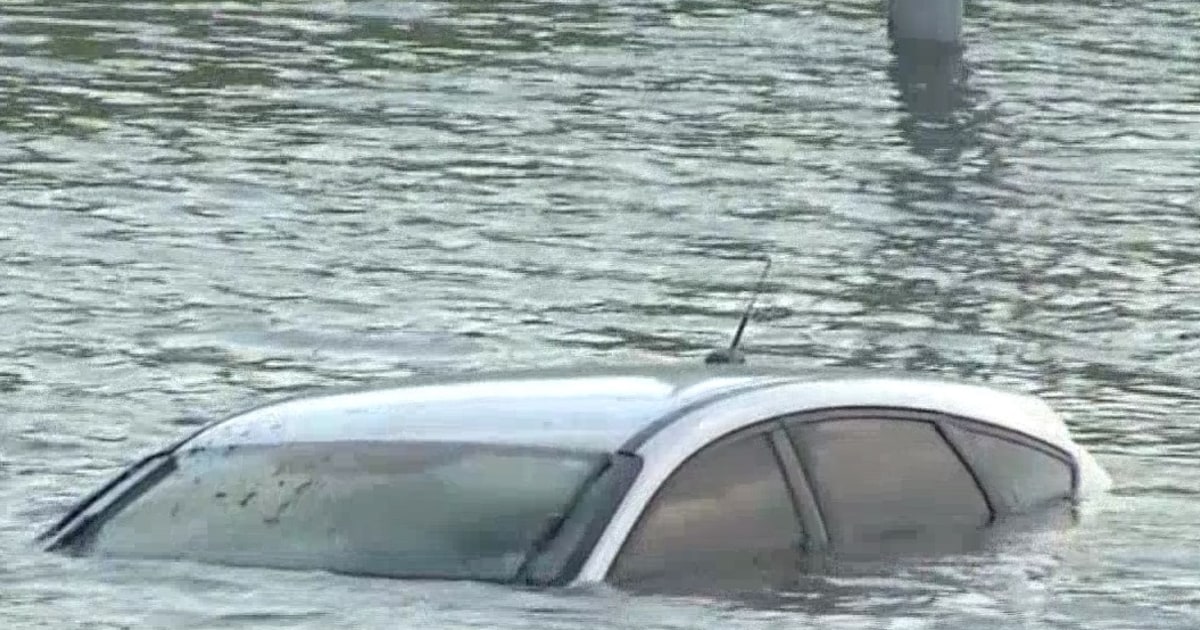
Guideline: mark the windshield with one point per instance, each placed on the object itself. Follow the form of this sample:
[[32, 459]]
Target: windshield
[[401, 509]]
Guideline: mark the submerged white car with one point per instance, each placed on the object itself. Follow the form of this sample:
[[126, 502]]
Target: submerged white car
[[627, 477]]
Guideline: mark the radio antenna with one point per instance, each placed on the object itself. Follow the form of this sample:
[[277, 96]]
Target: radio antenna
[[732, 354]]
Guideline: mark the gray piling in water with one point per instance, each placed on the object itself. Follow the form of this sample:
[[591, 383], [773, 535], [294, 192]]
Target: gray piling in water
[[926, 20]]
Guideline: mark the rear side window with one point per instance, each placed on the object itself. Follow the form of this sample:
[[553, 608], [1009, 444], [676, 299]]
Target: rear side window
[[1020, 478], [725, 513], [887, 481]]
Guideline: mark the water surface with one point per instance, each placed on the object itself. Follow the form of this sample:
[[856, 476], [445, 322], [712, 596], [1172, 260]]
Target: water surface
[[208, 204]]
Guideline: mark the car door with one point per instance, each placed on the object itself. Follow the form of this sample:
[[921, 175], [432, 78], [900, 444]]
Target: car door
[[727, 517], [886, 482]]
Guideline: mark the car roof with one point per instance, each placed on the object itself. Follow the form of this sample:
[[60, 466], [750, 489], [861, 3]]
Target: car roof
[[598, 409]]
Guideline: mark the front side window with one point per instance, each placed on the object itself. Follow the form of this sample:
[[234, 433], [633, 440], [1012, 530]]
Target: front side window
[[885, 484], [725, 513], [410, 509]]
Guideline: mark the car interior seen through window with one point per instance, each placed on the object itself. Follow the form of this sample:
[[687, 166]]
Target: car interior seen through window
[[403, 509], [725, 513], [888, 484]]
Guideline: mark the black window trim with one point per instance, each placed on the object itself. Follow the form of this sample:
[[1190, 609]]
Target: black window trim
[[804, 498], [1007, 435], [797, 476], [624, 467], [939, 420], [771, 429], [637, 440], [80, 533], [916, 413], [834, 414]]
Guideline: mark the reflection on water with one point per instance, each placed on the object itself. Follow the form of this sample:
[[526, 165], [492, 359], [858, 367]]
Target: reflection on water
[[941, 227], [931, 81], [213, 203]]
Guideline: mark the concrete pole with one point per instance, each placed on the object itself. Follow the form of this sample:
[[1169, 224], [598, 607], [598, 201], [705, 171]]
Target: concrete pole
[[926, 20]]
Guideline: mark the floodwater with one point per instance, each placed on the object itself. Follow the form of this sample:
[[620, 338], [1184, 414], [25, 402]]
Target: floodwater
[[208, 204]]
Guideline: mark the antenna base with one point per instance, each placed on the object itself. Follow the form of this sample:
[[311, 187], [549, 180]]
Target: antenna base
[[724, 356]]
